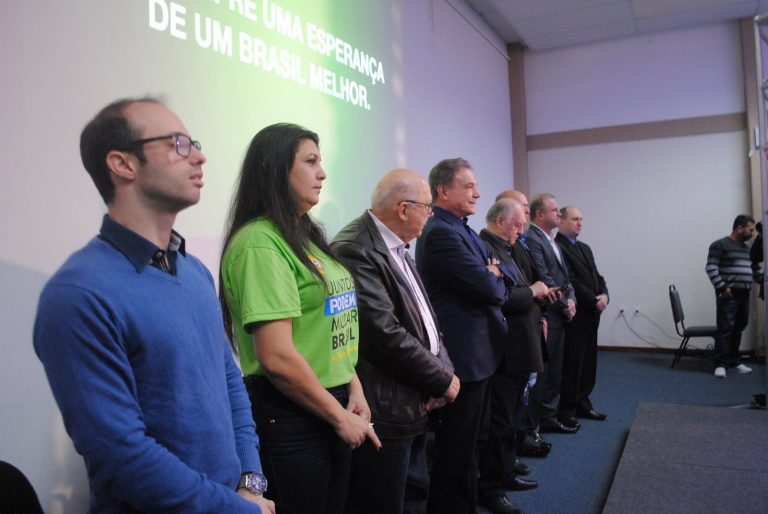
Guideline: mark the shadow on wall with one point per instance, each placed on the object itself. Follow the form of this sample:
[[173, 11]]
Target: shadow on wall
[[33, 435]]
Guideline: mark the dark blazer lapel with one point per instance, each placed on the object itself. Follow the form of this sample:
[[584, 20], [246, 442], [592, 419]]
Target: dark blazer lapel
[[458, 226], [539, 234], [501, 250], [586, 254]]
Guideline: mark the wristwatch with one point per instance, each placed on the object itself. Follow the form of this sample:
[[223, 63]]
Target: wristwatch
[[256, 483]]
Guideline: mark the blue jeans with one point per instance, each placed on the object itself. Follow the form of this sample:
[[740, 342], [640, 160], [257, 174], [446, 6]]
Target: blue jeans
[[732, 318], [306, 464], [391, 480]]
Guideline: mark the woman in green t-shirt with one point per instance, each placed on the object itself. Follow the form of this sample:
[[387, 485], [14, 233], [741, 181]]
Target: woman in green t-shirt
[[292, 309]]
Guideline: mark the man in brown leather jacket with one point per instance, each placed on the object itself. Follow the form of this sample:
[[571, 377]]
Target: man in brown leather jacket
[[403, 366]]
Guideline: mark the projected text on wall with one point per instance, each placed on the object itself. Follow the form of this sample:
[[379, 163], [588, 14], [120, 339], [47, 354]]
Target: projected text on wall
[[272, 39]]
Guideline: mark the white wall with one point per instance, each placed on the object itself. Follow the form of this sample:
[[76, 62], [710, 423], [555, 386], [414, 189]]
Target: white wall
[[651, 208], [452, 83], [660, 76]]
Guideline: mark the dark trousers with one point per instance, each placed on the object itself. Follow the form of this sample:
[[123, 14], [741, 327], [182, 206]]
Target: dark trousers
[[497, 457], [391, 480], [732, 318], [305, 462], [532, 410], [453, 486], [579, 365], [553, 369]]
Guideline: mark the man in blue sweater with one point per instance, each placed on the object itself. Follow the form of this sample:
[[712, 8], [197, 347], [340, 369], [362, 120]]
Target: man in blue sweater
[[131, 338], [730, 270]]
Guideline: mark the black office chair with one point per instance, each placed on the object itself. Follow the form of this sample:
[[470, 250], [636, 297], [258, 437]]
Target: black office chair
[[687, 332], [16, 493]]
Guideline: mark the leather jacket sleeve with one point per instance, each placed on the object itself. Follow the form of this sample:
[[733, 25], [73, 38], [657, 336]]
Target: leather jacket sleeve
[[389, 317]]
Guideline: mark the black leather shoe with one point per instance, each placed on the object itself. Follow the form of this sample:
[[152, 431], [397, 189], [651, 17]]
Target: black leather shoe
[[530, 450], [553, 425], [501, 505], [537, 439], [533, 446], [521, 484], [521, 468], [592, 414], [569, 421]]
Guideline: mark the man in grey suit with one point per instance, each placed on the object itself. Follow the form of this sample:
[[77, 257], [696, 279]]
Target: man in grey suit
[[549, 262], [403, 366]]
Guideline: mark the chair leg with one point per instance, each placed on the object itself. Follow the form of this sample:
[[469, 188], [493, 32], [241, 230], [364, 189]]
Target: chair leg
[[679, 353]]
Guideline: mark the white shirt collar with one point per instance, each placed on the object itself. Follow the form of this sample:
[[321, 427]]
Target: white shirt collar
[[391, 239], [550, 237]]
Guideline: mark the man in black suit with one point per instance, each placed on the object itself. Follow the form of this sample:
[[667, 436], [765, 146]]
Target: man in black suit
[[467, 290], [580, 359], [530, 442], [403, 366], [505, 221], [553, 271]]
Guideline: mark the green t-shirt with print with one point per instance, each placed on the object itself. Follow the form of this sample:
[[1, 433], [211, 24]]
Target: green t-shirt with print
[[263, 280]]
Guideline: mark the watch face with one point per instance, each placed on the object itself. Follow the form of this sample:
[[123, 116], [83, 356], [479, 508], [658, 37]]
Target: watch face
[[256, 483]]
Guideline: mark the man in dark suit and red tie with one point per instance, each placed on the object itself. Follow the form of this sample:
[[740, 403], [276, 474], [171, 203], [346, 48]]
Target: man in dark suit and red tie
[[467, 290], [580, 359]]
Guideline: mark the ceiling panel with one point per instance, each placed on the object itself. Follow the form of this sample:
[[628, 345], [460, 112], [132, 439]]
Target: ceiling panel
[[585, 19], [541, 24], [651, 8], [693, 18], [582, 36], [514, 10]]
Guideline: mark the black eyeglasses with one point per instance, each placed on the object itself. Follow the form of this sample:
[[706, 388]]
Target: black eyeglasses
[[183, 143], [427, 206]]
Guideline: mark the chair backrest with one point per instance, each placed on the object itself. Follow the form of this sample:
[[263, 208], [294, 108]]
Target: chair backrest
[[677, 306], [16, 493]]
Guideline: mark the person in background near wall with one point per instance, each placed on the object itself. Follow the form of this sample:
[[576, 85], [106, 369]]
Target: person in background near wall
[[466, 289], [293, 308], [580, 357], [756, 255], [403, 366], [730, 270], [130, 335]]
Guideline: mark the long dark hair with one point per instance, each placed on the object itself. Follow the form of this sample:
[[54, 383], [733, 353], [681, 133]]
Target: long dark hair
[[264, 190]]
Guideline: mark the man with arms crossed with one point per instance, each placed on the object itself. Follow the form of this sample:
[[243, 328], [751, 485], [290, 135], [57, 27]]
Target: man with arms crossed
[[505, 221], [530, 443], [466, 289], [131, 338], [403, 366], [580, 357], [730, 270]]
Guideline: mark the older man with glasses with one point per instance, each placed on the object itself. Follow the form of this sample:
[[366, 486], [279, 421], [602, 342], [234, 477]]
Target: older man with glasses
[[404, 367]]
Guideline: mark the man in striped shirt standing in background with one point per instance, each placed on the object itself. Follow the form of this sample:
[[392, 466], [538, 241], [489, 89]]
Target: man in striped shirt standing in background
[[730, 271]]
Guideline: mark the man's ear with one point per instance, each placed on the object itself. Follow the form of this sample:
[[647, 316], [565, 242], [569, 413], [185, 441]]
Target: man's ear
[[123, 164], [441, 192], [402, 207]]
